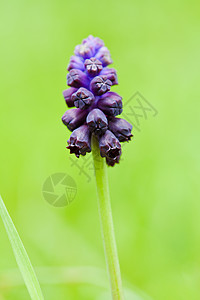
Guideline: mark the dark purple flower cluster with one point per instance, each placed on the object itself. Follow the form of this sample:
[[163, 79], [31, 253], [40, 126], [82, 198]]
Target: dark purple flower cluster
[[96, 109]]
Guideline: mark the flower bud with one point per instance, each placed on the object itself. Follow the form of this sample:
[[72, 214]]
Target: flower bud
[[84, 50], [121, 129], [100, 85], [76, 78], [94, 42], [97, 122], [104, 56], [76, 62], [111, 75], [82, 98], [79, 141], [111, 104], [110, 147], [93, 66], [98, 43], [68, 96], [74, 117]]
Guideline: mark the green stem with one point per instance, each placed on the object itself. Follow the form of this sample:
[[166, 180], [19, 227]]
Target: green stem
[[107, 222]]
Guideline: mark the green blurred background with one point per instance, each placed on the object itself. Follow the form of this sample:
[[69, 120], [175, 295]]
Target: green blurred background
[[155, 195]]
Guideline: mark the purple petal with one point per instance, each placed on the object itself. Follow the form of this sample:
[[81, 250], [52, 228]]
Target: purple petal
[[100, 85], [104, 56], [76, 62], [121, 129], [95, 42], [85, 50], [93, 66], [111, 75], [110, 146], [112, 161], [83, 98], [76, 78], [80, 141], [74, 117], [97, 122], [68, 94], [111, 104]]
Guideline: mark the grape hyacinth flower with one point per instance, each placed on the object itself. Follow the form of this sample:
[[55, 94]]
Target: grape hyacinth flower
[[94, 120], [90, 80]]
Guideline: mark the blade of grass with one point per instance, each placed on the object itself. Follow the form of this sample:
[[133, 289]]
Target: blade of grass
[[21, 255]]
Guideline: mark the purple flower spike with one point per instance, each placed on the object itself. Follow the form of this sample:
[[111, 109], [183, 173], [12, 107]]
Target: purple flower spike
[[121, 129], [82, 98], [110, 147], [93, 66], [111, 104], [111, 75], [104, 56], [68, 96], [76, 78], [90, 81], [100, 85], [76, 62], [80, 141], [74, 117], [97, 122]]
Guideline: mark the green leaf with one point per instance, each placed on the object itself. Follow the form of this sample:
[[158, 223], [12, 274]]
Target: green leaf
[[21, 255]]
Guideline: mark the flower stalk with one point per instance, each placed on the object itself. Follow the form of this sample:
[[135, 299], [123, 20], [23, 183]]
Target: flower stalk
[[106, 221]]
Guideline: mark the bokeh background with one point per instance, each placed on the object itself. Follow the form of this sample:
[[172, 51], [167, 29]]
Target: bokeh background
[[155, 47]]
